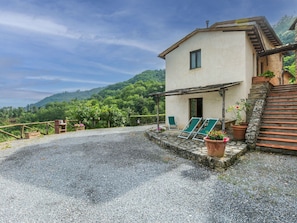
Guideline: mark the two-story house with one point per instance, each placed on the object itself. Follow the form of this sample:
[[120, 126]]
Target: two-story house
[[212, 68]]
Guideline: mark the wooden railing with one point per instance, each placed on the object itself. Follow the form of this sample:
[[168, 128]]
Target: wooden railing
[[43, 127], [23, 126], [146, 119]]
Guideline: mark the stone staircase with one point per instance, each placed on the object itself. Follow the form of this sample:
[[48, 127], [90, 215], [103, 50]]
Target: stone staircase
[[278, 131]]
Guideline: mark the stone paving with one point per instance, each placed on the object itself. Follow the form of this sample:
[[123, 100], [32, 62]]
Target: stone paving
[[196, 150]]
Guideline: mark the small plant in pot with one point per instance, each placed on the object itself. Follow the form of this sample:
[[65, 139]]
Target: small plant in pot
[[267, 74], [216, 142], [263, 77], [238, 110]]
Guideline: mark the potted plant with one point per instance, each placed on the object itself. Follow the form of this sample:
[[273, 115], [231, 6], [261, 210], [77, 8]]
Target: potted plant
[[216, 142], [240, 126], [264, 77]]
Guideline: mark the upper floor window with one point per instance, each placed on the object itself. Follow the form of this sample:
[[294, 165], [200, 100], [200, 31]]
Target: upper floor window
[[195, 59]]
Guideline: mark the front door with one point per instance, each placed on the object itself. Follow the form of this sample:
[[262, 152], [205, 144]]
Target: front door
[[196, 108]]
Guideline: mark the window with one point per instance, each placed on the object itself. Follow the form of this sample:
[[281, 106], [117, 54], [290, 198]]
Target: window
[[195, 59]]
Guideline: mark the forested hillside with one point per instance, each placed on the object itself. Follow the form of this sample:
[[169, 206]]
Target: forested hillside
[[110, 107], [282, 29], [67, 96], [149, 75], [287, 36]]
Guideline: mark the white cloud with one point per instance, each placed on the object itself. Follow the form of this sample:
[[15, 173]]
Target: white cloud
[[47, 26], [62, 79], [35, 24]]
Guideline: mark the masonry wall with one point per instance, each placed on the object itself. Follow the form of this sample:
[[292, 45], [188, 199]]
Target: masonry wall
[[272, 62]]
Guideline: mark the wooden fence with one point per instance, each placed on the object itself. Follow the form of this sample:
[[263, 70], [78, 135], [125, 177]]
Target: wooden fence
[[24, 126], [146, 119], [41, 127], [18, 131]]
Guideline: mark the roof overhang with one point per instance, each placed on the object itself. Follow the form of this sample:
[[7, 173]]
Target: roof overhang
[[251, 26], [261, 22], [197, 90]]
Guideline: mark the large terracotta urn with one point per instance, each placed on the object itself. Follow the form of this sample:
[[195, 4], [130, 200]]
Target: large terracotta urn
[[239, 132]]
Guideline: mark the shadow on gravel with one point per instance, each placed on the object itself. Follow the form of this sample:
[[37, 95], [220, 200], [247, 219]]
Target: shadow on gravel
[[196, 174], [93, 168]]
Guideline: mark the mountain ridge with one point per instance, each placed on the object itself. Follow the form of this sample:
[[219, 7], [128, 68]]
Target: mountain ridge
[[156, 75]]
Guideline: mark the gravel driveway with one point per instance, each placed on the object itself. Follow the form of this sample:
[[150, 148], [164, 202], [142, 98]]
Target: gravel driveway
[[118, 175]]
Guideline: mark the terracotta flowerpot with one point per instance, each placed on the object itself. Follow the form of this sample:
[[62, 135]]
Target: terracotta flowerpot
[[239, 132], [260, 79], [216, 148]]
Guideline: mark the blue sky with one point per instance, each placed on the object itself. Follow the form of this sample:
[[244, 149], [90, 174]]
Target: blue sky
[[49, 47]]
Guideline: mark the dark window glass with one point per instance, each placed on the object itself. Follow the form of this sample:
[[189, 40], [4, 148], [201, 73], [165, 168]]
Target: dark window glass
[[195, 59]]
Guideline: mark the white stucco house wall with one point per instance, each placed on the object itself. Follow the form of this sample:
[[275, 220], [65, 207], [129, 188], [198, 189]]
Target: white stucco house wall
[[211, 58]]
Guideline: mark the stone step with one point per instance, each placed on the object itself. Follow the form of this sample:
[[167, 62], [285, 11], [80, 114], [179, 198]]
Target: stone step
[[281, 99], [278, 90], [279, 128], [283, 94], [287, 135], [280, 142], [274, 146], [280, 113], [277, 112], [281, 107], [281, 103], [285, 86], [279, 118], [280, 123], [287, 98], [278, 139]]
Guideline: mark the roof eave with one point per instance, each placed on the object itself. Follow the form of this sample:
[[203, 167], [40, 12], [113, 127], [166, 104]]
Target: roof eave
[[176, 45]]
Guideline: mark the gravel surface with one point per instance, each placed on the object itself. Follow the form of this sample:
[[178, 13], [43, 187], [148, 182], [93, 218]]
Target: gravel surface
[[118, 175]]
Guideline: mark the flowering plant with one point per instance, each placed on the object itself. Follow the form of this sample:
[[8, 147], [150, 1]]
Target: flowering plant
[[217, 135], [79, 125], [238, 109], [161, 129]]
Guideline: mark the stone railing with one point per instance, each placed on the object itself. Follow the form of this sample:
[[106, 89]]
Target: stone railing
[[258, 97]]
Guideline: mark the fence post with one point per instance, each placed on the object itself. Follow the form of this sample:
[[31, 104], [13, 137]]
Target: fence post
[[22, 131]]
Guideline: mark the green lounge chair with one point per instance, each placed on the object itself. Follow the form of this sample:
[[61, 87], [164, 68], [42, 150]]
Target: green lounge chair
[[205, 128], [171, 122], [190, 128]]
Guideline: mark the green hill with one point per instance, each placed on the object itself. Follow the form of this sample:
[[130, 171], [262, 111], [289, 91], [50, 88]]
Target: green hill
[[148, 75], [282, 29], [67, 96]]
